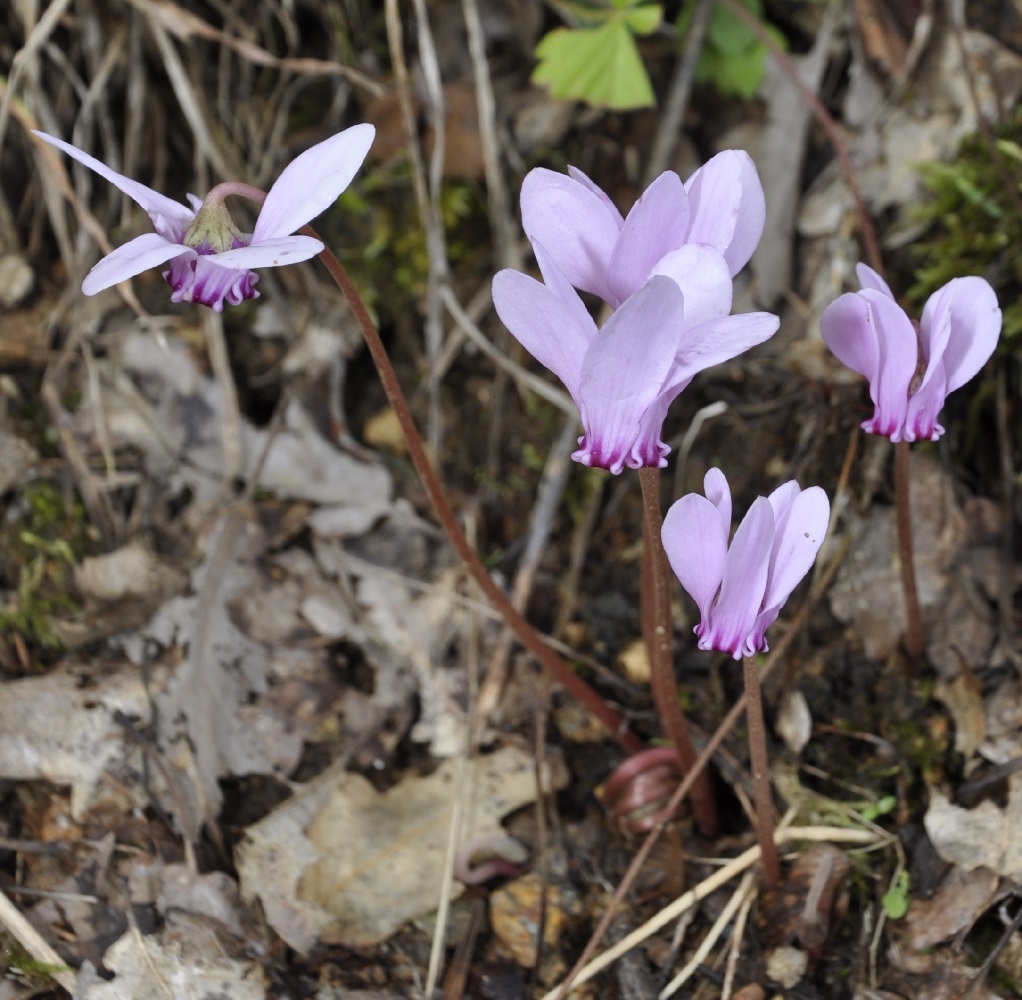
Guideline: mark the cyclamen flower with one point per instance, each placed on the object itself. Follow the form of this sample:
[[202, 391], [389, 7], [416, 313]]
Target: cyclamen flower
[[720, 206], [912, 367], [211, 260], [740, 589], [624, 376]]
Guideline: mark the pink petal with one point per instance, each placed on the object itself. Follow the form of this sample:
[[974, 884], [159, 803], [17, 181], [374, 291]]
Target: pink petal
[[924, 408], [269, 253], [704, 279], [898, 357], [623, 371], [728, 206], [848, 330], [934, 335], [547, 327], [312, 182], [583, 179], [695, 548], [975, 327], [801, 518], [718, 340], [657, 224], [717, 491], [170, 218], [134, 257], [575, 226], [555, 280], [745, 577], [868, 278]]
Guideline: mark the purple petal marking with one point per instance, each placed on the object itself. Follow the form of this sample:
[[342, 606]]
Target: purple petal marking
[[696, 549], [545, 325], [269, 253], [312, 182], [198, 279], [657, 224], [924, 408], [623, 373], [728, 206], [746, 569], [574, 224], [868, 278], [170, 218], [704, 279], [975, 327], [132, 258]]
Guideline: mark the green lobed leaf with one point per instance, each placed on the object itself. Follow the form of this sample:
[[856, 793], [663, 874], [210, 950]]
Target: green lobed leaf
[[599, 65]]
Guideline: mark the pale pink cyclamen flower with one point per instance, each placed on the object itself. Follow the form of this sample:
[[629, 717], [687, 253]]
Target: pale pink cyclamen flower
[[912, 367], [211, 260], [624, 376], [740, 589], [720, 206]]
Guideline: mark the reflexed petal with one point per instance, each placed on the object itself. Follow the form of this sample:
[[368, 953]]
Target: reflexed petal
[[269, 253], [718, 340], [312, 182], [556, 282], [657, 224], [898, 356], [848, 330], [924, 407], [584, 180], [575, 226], [728, 206], [704, 279], [155, 204], [975, 327], [868, 278], [544, 325], [800, 519], [623, 371], [934, 334], [718, 492], [745, 577], [695, 548], [134, 257]]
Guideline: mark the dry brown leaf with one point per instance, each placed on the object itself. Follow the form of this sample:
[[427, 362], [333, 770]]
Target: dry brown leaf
[[346, 864]]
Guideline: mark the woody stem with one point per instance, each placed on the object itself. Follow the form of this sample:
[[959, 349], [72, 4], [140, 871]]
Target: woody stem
[[526, 634], [657, 633], [915, 638]]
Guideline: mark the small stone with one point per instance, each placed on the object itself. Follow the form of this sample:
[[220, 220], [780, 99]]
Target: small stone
[[787, 965], [17, 279]]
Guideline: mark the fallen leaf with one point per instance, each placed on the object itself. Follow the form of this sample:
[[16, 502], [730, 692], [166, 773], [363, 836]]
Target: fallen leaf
[[348, 865]]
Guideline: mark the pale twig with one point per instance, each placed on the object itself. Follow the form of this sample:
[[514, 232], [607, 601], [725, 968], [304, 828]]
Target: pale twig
[[433, 225], [734, 951], [220, 362], [744, 861], [501, 220], [548, 500], [462, 796], [673, 118], [33, 942], [738, 898]]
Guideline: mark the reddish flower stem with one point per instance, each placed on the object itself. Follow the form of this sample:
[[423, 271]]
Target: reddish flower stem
[[915, 638], [658, 634], [527, 635], [759, 761]]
